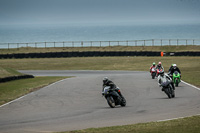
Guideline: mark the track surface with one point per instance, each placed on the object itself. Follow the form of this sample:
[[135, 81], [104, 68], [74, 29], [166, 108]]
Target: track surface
[[76, 103]]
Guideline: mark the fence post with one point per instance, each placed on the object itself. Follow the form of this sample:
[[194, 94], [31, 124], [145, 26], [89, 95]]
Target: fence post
[[161, 42], [144, 42], [81, 44], [8, 46], [109, 43], [136, 43], [63, 44], [100, 43], [177, 42], [186, 42], [91, 43], [18, 45], [152, 42], [193, 42], [169, 42], [45, 44], [118, 43], [54, 44], [72, 44], [127, 43]]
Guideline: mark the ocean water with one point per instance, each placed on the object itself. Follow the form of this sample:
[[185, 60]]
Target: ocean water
[[64, 32]]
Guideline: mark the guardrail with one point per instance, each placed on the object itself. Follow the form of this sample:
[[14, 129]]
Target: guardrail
[[150, 42]]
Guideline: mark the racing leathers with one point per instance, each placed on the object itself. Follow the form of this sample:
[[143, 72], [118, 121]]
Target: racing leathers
[[112, 87], [175, 69], [153, 66]]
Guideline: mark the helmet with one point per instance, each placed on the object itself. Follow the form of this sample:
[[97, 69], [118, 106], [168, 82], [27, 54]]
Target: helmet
[[159, 64], [154, 63], [161, 73], [174, 66], [105, 79]]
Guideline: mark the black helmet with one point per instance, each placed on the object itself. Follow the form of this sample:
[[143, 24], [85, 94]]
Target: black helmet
[[105, 79], [161, 73]]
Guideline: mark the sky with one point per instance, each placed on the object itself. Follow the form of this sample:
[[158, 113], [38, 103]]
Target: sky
[[99, 11]]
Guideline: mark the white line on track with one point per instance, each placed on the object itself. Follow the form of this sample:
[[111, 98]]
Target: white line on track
[[176, 118], [28, 94], [185, 116], [190, 85]]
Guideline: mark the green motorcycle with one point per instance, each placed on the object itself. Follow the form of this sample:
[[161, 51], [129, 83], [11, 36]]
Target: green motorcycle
[[176, 78]]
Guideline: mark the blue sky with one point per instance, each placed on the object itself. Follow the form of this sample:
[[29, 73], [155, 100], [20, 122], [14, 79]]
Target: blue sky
[[99, 11]]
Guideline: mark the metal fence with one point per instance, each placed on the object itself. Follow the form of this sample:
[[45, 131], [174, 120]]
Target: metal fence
[[150, 42]]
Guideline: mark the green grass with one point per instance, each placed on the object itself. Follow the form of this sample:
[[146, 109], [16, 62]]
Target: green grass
[[189, 65], [6, 72], [17, 88], [111, 48], [185, 125]]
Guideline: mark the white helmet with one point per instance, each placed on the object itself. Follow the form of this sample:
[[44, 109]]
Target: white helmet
[[174, 66]]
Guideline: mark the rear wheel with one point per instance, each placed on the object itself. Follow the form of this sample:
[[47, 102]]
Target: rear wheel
[[111, 101], [123, 103]]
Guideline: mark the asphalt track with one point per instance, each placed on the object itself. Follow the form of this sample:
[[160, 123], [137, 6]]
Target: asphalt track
[[76, 103]]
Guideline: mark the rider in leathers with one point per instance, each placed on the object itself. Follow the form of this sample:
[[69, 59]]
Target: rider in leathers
[[164, 76], [107, 82], [174, 68]]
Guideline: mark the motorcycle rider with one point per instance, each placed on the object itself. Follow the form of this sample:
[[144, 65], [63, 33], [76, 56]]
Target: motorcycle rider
[[159, 66], [153, 66], [107, 82], [174, 68], [162, 76]]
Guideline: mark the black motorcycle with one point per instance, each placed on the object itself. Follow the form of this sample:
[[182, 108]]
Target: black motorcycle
[[168, 89], [113, 98]]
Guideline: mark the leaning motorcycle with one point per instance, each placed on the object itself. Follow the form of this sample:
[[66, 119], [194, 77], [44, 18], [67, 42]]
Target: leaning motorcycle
[[168, 89], [176, 78], [113, 98], [153, 72]]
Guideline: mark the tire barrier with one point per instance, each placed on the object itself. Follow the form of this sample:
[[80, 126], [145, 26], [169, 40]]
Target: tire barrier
[[11, 78], [94, 54]]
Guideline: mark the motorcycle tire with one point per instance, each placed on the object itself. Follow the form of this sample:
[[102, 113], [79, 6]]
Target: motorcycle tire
[[153, 76], [111, 101], [123, 103], [168, 93], [172, 92], [176, 83]]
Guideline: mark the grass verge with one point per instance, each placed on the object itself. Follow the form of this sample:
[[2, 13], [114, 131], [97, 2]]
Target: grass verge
[[189, 66], [14, 89], [111, 48], [6, 72], [185, 125]]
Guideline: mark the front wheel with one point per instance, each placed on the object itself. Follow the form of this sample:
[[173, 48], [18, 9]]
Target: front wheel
[[153, 75], [168, 92], [176, 83], [111, 101]]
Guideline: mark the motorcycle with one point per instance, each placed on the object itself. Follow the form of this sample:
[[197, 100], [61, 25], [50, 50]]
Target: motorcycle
[[167, 88], [153, 72], [176, 78], [113, 98]]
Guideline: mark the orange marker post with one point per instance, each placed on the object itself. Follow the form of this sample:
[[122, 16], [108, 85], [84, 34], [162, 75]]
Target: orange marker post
[[161, 53]]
